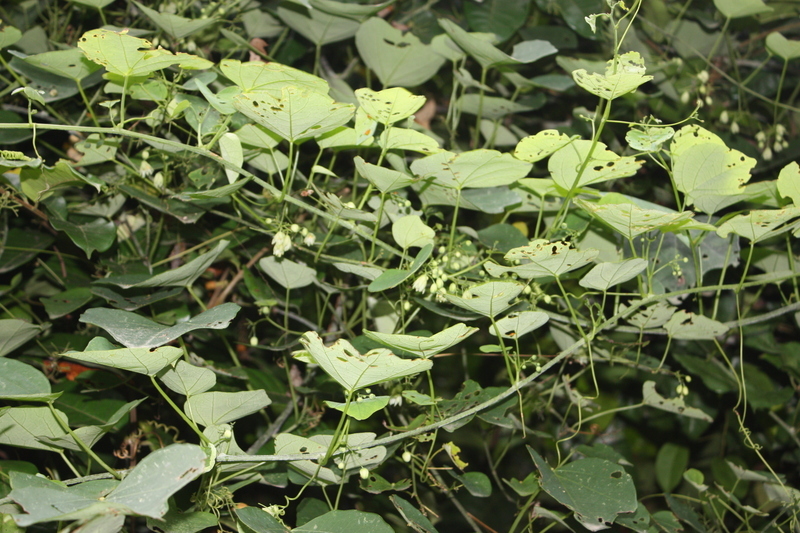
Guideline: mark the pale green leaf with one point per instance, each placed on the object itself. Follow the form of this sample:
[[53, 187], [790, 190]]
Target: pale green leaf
[[778, 45], [542, 259], [534, 148], [187, 379], [257, 137], [8, 36], [652, 398], [128, 56], [22, 426], [214, 408], [134, 330], [176, 26], [653, 316], [357, 12], [44, 500], [501, 17], [255, 520], [472, 169], [605, 275], [492, 200], [361, 408], [410, 231], [14, 333], [424, 346], [397, 58], [789, 182], [148, 361], [649, 138], [296, 115], [333, 204], [20, 381], [408, 139], [413, 517], [488, 55], [393, 277], [389, 105], [565, 165], [689, 326], [624, 73], [580, 484], [230, 148], [289, 274], [353, 370], [70, 63], [488, 299], [515, 325], [317, 26], [491, 107], [384, 179], [368, 272], [711, 174], [261, 77], [631, 220], [760, 224], [286, 443], [741, 8]]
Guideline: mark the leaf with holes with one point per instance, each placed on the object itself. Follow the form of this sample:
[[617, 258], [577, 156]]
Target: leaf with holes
[[516, 325], [760, 224], [390, 105], [631, 220], [472, 169], [689, 326], [606, 275], [398, 59], [298, 114], [597, 490], [353, 370], [360, 408], [149, 361], [652, 398], [650, 138], [137, 331], [260, 77], [653, 316], [534, 148], [542, 258], [624, 73], [488, 299], [570, 169], [424, 346]]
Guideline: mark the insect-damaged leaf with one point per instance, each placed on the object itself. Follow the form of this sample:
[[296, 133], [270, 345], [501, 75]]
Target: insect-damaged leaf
[[488, 299], [515, 325], [597, 490], [473, 169], [624, 73], [390, 105], [542, 258], [569, 168], [605, 275], [534, 148], [689, 326], [652, 398], [353, 370], [257, 76], [760, 224]]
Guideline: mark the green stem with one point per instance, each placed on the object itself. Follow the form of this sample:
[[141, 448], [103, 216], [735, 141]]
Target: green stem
[[180, 412], [82, 445]]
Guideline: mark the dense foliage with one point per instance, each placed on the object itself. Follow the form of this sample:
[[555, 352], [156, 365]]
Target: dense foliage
[[443, 265]]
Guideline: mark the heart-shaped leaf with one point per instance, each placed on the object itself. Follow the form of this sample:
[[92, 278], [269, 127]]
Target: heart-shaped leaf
[[147, 361], [488, 299], [424, 346], [214, 408]]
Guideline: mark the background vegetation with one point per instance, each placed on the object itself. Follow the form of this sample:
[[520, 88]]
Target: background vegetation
[[499, 265]]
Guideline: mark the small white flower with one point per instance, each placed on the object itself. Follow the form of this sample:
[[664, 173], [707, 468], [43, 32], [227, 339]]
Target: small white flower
[[281, 243], [780, 131], [724, 117], [735, 127], [777, 147], [396, 400], [309, 239], [685, 97], [702, 76], [709, 100], [420, 283], [761, 136], [294, 228], [406, 456], [145, 169], [767, 154], [363, 473]]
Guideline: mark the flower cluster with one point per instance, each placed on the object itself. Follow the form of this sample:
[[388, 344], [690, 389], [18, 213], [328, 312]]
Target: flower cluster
[[282, 241], [767, 148]]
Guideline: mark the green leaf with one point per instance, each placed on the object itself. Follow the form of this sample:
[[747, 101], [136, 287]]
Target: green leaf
[[8, 36], [418, 521], [14, 333], [345, 522], [711, 174], [638, 521], [516, 325], [354, 11], [534, 148], [176, 26], [134, 299], [260, 77], [214, 408], [187, 379], [297, 114], [473, 169], [134, 330], [778, 45], [128, 56], [407, 139], [255, 520], [624, 74], [22, 427], [488, 55], [98, 234], [70, 63], [410, 230], [760, 224], [19, 381], [147, 361], [542, 259], [317, 26], [40, 183], [184, 522], [649, 138], [501, 17], [488, 299], [230, 148], [361, 408], [606, 275], [368, 272], [66, 302], [424, 346], [476, 483], [597, 490], [286, 443], [741, 8], [490, 107], [575, 12], [384, 179], [630, 220], [789, 182], [689, 326], [652, 398], [398, 59], [502, 237], [288, 274], [390, 105], [353, 370], [45, 500], [393, 277], [565, 165], [671, 461]]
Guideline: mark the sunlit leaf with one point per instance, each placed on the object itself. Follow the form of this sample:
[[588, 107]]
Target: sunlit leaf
[[780, 46], [488, 299], [360, 408], [410, 231], [689, 326], [384, 179], [606, 275], [569, 168], [424, 346], [289, 274], [473, 169], [631, 220], [741, 8], [542, 259], [353, 370], [650, 138], [673, 405], [789, 182], [187, 379], [760, 224], [390, 105], [261, 77], [624, 73], [148, 361], [214, 408], [70, 63], [408, 139], [516, 325], [534, 148]]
